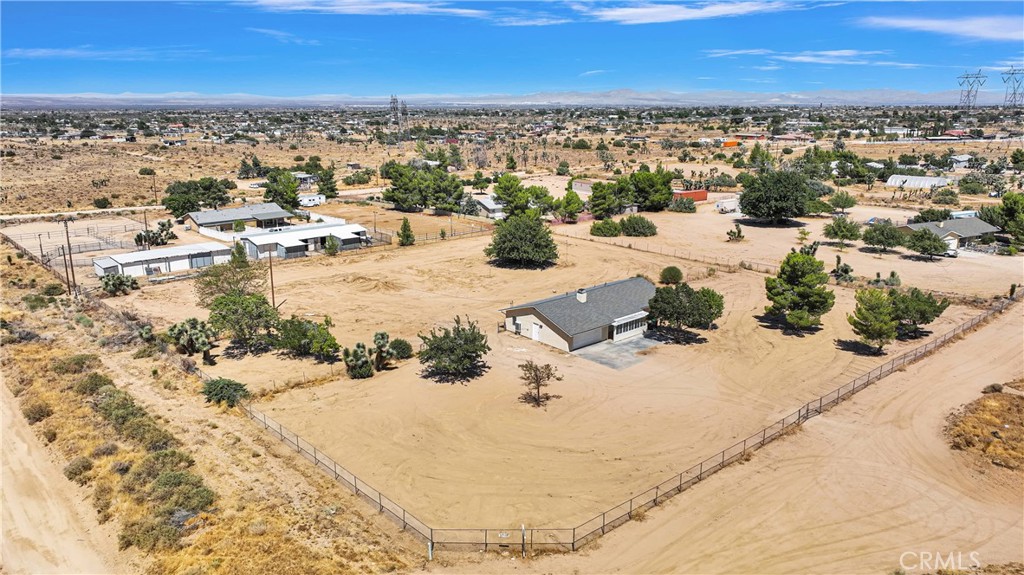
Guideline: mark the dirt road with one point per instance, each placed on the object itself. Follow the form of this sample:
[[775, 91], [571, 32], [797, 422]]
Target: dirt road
[[47, 528], [859, 490]]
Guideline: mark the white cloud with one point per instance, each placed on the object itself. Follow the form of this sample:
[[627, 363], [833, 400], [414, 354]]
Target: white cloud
[[284, 37], [725, 53], [368, 7], [829, 56], [89, 52], [998, 28], [530, 20], [592, 73], [653, 13], [767, 68]]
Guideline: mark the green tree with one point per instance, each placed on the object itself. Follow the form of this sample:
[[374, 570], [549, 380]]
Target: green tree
[[842, 229], [760, 158], [326, 183], [842, 200], [1017, 159], [193, 336], [680, 306], [798, 292], [563, 168], [302, 337], [604, 201], [248, 319], [637, 226], [570, 206], [382, 352], [606, 228], [454, 354], [147, 172], [518, 200], [931, 215], [872, 319], [671, 275], [522, 241], [116, 284], [776, 196], [1013, 214], [331, 246], [223, 390], [536, 377], [357, 362], [182, 204], [883, 235], [913, 308], [510, 163], [282, 189], [183, 197], [926, 243], [405, 235], [238, 276]]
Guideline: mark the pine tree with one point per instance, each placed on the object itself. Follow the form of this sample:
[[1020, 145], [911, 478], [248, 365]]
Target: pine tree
[[873, 319], [405, 235], [797, 293]]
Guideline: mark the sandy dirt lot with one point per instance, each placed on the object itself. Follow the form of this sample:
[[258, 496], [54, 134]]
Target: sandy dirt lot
[[47, 525], [850, 493], [390, 221], [506, 463], [703, 235]]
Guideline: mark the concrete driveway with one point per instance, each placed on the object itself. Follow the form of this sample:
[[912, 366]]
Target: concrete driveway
[[617, 355]]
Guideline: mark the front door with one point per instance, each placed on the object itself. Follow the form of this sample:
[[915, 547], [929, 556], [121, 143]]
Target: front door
[[535, 332]]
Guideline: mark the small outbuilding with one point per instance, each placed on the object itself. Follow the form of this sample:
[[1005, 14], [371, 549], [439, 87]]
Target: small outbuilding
[[299, 241], [615, 311], [916, 182], [163, 260]]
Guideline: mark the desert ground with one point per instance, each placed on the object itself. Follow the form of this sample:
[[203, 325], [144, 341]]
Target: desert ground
[[855, 491], [554, 467]]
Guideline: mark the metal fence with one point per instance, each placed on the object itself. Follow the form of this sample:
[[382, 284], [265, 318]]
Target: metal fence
[[572, 538], [640, 244]]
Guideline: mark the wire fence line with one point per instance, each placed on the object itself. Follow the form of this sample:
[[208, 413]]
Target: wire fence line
[[572, 538]]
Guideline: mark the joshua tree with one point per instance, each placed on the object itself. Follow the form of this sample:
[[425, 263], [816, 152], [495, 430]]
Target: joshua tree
[[382, 352], [191, 336], [357, 362]]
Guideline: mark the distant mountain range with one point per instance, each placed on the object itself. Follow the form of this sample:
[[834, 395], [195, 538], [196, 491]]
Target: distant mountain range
[[623, 97]]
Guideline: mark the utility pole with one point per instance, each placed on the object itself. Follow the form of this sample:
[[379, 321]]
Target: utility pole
[[67, 276], [71, 261], [273, 299], [145, 236], [40, 238]]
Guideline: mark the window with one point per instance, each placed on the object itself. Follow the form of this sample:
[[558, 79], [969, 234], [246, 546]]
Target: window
[[200, 260], [629, 326]]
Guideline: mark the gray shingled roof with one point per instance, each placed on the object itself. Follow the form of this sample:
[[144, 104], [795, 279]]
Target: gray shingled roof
[[268, 211], [605, 303], [963, 227]]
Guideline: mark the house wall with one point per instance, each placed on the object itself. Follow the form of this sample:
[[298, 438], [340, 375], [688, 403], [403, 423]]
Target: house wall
[[547, 335], [589, 337]]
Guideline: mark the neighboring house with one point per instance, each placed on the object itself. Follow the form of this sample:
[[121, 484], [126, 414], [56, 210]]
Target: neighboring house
[[615, 311], [268, 215], [874, 165], [163, 260], [955, 233], [306, 181], [584, 187], [310, 200], [491, 208], [960, 161], [299, 241], [916, 182]]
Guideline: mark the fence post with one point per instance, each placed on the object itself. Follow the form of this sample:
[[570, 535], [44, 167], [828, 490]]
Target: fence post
[[700, 472], [602, 522], [574, 539], [380, 503], [656, 495]]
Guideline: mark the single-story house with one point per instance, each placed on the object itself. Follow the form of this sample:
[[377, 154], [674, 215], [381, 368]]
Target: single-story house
[[268, 215], [491, 208], [615, 311], [960, 161], [298, 241], [584, 186], [916, 182], [956, 232], [305, 180], [163, 260]]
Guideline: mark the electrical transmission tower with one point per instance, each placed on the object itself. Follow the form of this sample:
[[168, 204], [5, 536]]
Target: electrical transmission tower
[[1014, 80], [396, 119], [969, 84]]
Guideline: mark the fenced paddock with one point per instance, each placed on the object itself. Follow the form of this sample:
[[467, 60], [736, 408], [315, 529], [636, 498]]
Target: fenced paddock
[[533, 539]]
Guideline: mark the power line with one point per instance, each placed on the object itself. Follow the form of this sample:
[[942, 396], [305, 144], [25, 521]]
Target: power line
[[1014, 80]]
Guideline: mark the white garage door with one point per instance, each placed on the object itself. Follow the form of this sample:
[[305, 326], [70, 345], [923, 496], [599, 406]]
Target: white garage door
[[588, 338]]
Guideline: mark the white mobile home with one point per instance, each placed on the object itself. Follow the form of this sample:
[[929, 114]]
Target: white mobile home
[[163, 260], [298, 241], [310, 200]]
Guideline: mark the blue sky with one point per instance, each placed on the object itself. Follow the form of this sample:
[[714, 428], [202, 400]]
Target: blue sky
[[373, 48]]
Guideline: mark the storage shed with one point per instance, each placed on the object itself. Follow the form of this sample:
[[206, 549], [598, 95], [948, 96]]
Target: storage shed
[[163, 260]]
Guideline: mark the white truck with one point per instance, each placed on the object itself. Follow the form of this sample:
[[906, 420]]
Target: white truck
[[727, 205]]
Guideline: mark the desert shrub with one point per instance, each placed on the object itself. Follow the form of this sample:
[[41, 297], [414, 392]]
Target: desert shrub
[[147, 470], [101, 202], [181, 490], [605, 228], [108, 448], [149, 434], [118, 407], [671, 275], [53, 289], [50, 435], [401, 348], [148, 534], [35, 301], [121, 467], [638, 226], [226, 390], [75, 364], [993, 388], [36, 411], [76, 470], [83, 320], [92, 383], [102, 499], [685, 205]]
